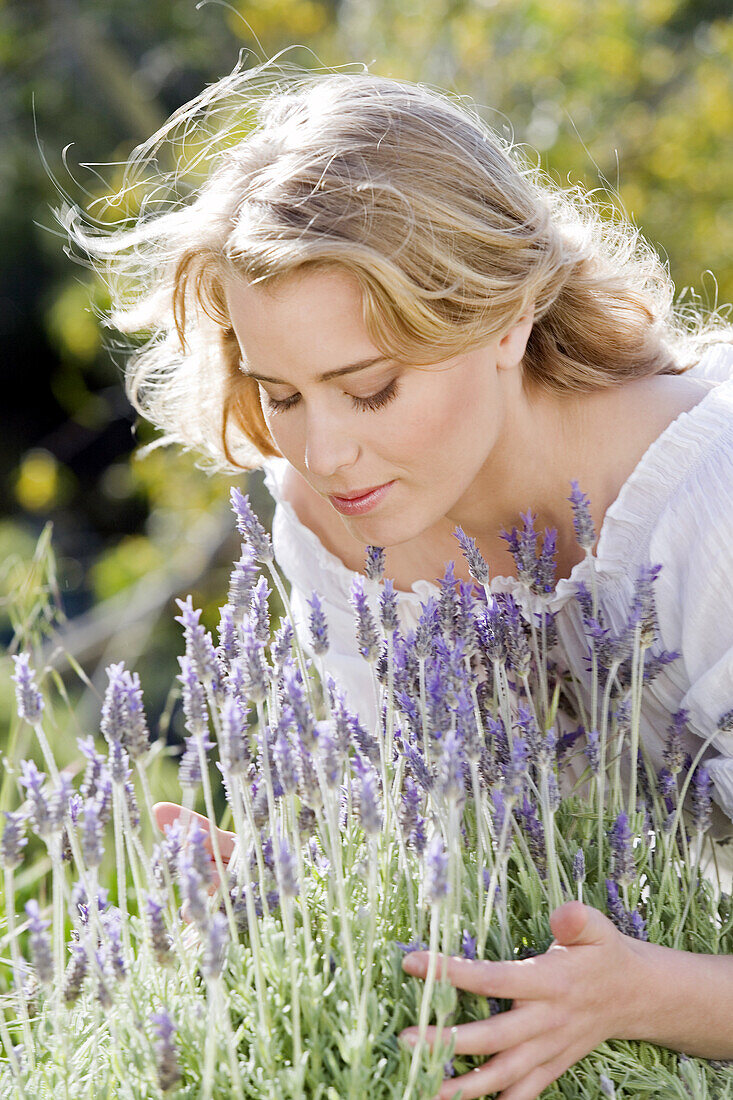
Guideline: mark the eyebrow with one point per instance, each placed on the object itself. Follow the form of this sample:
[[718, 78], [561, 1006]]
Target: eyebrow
[[351, 369]]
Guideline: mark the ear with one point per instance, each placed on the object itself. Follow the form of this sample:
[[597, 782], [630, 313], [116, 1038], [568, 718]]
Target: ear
[[511, 347]]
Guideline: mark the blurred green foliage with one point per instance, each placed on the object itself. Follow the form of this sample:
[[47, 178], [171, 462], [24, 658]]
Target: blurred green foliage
[[633, 98]]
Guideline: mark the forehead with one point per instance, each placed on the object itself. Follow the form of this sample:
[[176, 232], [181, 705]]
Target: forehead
[[310, 320]]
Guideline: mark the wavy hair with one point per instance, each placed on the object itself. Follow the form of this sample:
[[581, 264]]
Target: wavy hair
[[449, 229]]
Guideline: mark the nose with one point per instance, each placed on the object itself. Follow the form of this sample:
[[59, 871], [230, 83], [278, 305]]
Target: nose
[[331, 445]]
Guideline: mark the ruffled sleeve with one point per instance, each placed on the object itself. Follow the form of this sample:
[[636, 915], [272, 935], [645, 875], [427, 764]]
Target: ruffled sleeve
[[694, 590]]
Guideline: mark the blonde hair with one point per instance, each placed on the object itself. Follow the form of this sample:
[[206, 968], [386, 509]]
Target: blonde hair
[[449, 230]]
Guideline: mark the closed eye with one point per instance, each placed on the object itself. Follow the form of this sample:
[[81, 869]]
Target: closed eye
[[376, 401]]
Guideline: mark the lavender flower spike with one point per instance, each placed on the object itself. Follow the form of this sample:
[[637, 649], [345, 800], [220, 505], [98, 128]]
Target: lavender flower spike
[[318, 626], [367, 637], [114, 718], [702, 812], [216, 943], [165, 1051], [13, 839], [29, 698], [582, 522], [477, 567], [624, 865], [436, 871], [40, 945], [375, 562], [250, 527]]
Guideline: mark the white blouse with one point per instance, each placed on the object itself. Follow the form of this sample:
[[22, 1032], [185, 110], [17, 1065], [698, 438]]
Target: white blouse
[[676, 509]]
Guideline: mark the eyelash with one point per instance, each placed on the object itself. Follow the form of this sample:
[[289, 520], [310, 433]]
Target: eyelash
[[363, 404]]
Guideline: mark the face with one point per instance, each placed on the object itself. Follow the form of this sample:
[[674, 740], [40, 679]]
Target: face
[[430, 432]]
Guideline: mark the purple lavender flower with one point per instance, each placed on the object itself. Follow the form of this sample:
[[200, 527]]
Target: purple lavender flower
[[388, 607], [616, 910], [194, 873], [28, 697], [94, 767], [702, 811], [112, 923], [317, 625], [281, 646], [189, 766], [607, 1087], [254, 666], [308, 785], [159, 937], [582, 522], [227, 648], [534, 835], [75, 972], [674, 749], [370, 814], [166, 1057], [285, 757], [409, 805], [114, 708], [418, 838], [517, 771], [436, 871], [643, 608], [579, 866], [193, 697], [39, 943], [287, 870], [260, 611], [117, 762], [216, 943], [367, 637], [250, 527], [234, 742], [295, 697], [490, 634], [449, 780], [593, 751], [241, 582], [518, 653], [92, 845], [39, 810], [546, 563], [477, 566], [499, 810], [427, 628], [468, 945], [375, 562], [622, 852], [465, 628], [13, 840], [138, 735]]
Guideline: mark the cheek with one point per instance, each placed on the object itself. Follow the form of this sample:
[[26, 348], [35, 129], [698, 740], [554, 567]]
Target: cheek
[[441, 424]]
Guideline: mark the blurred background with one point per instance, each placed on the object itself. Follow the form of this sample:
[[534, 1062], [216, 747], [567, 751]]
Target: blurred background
[[633, 98]]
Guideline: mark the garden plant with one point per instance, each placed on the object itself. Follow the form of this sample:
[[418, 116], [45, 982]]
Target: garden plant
[[269, 964]]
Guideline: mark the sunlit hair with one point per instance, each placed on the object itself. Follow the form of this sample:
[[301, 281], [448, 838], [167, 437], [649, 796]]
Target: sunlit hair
[[449, 229]]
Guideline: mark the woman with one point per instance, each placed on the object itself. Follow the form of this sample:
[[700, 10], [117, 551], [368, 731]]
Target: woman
[[372, 290]]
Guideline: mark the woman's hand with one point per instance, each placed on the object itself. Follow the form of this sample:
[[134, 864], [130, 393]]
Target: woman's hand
[[581, 991], [168, 812]]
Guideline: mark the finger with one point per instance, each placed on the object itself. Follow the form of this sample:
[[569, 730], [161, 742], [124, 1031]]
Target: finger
[[487, 1036], [505, 1069], [576, 923], [526, 979], [534, 1084], [168, 812]]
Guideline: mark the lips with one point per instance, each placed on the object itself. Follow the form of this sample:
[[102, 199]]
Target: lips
[[358, 493], [363, 503]]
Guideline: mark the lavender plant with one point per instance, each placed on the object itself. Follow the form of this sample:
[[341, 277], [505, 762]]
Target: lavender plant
[[268, 963]]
